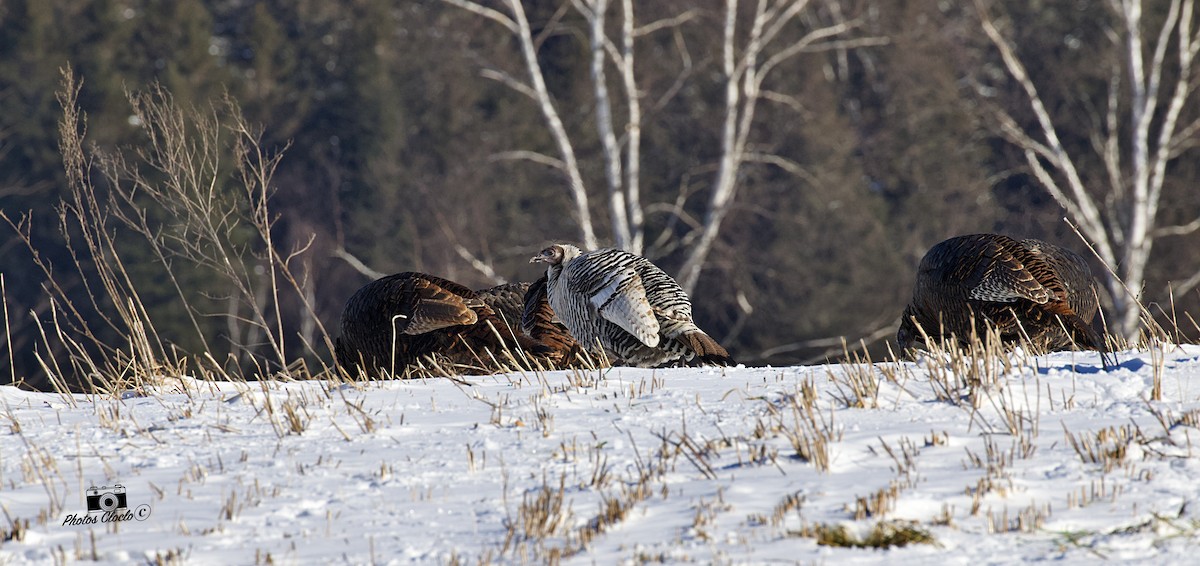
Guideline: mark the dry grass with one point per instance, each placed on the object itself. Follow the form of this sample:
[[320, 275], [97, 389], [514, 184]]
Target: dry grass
[[1099, 490], [809, 431], [541, 516], [857, 384], [790, 502], [193, 199], [1108, 447], [225, 228], [958, 373], [1027, 520], [543, 527], [16, 529]]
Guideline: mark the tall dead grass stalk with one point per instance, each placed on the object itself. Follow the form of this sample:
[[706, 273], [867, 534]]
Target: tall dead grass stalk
[[193, 198]]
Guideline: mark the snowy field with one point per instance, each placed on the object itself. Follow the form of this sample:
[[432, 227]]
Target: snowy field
[[1021, 459]]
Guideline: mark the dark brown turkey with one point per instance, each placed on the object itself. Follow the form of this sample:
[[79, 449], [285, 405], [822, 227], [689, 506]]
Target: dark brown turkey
[[1022, 288], [392, 322]]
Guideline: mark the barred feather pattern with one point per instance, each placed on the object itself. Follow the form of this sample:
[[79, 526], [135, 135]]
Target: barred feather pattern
[[625, 304], [1019, 287], [508, 300], [539, 321]]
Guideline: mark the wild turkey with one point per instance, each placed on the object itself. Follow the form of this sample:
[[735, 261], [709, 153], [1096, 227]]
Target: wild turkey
[[627, 305], [1023, 288], [525, 306], [392, 322], [539, 322], [508, 300]]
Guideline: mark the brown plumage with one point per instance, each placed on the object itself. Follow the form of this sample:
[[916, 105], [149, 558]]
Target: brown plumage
[[1019, 287], [394, 321], [525, 308]]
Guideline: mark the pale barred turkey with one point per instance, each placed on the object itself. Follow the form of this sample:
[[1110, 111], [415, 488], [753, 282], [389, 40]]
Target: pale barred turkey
[[1022, 288], [538, 321], [391, 323], [627, 305]]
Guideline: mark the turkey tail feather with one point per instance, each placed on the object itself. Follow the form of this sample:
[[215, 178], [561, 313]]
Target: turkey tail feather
[[706, 349]]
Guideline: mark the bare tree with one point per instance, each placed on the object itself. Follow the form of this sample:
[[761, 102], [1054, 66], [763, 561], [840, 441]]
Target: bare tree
[[623, 198], [518, 24], [1117, 208], [765, 49], [777, 35]]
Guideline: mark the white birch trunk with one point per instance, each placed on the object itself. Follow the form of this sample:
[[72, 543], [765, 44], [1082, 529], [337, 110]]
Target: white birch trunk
[[689, 274], [633, 147], [557, 130], [518, 24], [744, 77], [617, 207]]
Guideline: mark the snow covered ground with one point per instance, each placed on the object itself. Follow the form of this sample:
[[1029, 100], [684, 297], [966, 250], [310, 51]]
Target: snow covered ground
[[1047, 458]]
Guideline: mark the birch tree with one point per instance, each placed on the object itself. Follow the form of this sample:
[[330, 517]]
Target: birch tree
[[535, 88], [746, 67], [777, 34], [1145, 127]]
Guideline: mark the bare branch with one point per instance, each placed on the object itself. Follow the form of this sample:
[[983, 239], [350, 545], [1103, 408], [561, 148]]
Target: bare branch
[[725, 184], [1086, 212], [788, 100], [479, 265], [538, 91], [578, 191], [1019, 138], [665, 23], [1135, 157], [744, 77], [781, 16], [1186, 285], [676, 213], [681, 78], [633, 145], [509, 81], [485, 12], [844, 44], [1053, 188], [529, 156], [809, 43], [782, 163], [357, 264], [451, 235], [1178, 230], [1112, 145], [1185, 139], [1188, 46]]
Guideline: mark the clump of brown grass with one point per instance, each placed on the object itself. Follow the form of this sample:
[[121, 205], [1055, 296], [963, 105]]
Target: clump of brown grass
[[1108, 447], [857, 385], [883, 535], [1027, 520]]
